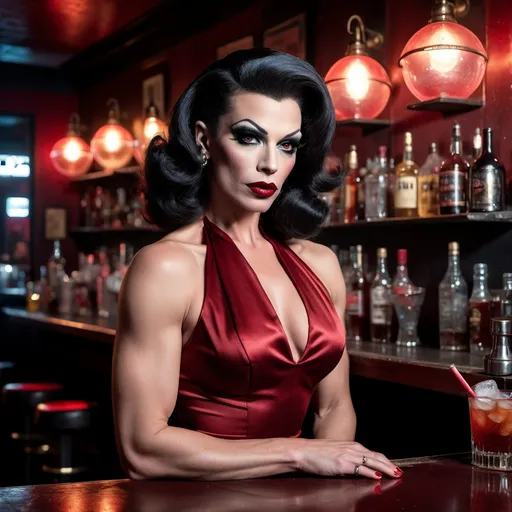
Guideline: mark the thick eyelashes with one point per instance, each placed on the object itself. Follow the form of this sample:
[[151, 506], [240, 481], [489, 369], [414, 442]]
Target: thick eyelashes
[[242, 134]]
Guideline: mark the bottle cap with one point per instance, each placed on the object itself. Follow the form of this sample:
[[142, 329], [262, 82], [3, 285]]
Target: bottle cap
[[382, 252], [402, 256], [453, 247]]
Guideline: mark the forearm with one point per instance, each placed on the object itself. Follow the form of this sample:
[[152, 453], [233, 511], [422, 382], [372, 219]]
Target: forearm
[[338, 423], [181, 453]]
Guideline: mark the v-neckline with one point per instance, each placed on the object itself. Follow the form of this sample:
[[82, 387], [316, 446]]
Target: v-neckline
[[265, 295]]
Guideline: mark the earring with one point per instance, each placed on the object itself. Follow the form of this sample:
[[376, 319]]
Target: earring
[[204, 159]]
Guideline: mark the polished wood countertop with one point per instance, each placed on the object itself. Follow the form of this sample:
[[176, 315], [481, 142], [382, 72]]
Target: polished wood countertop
[[428, 485], [423, 367]]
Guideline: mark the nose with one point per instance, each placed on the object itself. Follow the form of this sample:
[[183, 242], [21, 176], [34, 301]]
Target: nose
[[268, 163]]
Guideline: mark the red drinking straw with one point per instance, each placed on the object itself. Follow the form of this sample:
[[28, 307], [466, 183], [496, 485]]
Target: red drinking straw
[[463, 381]]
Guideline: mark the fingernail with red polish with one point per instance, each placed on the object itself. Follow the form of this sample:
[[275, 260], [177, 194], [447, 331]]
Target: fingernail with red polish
[[378, 475]]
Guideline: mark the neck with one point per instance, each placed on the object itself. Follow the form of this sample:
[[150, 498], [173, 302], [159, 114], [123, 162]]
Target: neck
[[241, 225]]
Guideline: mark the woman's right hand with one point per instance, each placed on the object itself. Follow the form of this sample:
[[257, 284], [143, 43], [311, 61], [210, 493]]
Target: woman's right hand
[[336, 458]]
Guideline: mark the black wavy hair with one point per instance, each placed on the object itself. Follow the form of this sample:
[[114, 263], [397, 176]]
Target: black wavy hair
[[175, 185]]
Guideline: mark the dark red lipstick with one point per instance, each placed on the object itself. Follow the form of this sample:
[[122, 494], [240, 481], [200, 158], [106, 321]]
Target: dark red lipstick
[[262, 188]]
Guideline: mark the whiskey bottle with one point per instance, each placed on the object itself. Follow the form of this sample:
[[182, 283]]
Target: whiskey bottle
[[351, 185], [406, 184], [428, 184], [487, 180], [453, 177]]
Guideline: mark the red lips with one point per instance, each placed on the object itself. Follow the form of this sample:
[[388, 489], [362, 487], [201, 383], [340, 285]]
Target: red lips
[[262, 188]]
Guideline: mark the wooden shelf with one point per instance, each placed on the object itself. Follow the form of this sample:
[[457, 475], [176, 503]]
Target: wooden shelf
[[367, 126], [96, 175], [447, 106], [492, 217]]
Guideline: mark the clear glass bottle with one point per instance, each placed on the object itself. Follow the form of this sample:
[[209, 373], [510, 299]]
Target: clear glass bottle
[[406, 186], [55, 269], [401, 279], [351, 185], [376, 188], [381, 310], [453, 178], [480, 311], [357, 301], [487, 180], [453, 304], [428, 184], [391, 187]]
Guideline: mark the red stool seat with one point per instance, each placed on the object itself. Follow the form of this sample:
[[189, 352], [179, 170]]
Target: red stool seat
[[64, 415], [29, 394]]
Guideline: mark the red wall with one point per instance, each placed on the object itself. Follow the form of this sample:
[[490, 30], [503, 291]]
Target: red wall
[[51, 115]]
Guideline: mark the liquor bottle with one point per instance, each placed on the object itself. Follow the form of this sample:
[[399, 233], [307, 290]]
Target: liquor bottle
[[381, 311], [428, 184], [487, 180], [453, 304], [401, 279], [406, 186], [391, 187], [376, 188], [357, 301], [55, 269], [360, 197], [506, 296], [479, 311], [453, 177], [477, 146], [333, 166], [351, 185]]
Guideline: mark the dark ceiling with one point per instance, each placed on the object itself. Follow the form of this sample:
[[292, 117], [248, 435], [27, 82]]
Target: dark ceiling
[[49, 32]]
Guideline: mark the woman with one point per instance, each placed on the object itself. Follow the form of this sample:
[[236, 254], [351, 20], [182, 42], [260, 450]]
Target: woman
[[230, 326]]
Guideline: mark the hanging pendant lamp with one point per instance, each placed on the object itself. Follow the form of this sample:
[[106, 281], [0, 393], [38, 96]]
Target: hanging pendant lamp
[[71, 155], [153, 126], [443, 59], [359, 86], [112, 145]]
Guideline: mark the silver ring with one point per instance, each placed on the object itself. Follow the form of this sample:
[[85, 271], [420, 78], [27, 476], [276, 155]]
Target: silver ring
[[356, 470], [364, 459]]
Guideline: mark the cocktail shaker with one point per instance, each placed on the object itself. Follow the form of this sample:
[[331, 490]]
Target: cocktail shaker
[[499, 360]]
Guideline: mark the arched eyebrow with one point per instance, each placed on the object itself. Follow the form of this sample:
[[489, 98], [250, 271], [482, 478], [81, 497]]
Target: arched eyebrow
[[260, 129]]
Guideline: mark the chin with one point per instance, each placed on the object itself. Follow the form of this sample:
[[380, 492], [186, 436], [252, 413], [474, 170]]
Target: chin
[[254, 204]]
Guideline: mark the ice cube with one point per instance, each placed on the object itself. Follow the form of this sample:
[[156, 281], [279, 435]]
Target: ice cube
[[505, 404], [484, 404], [488, 389]]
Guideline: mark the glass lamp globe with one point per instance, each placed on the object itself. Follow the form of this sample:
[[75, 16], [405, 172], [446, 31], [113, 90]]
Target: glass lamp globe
[[359, 87], [443, 59], [71, 156], [152, 126], [112, 145]]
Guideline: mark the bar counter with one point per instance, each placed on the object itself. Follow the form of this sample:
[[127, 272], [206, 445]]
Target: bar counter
[[421, 367], [428, 484]]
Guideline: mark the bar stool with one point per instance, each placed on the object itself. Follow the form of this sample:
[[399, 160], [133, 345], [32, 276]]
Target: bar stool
[[68, 424], [19, 401]]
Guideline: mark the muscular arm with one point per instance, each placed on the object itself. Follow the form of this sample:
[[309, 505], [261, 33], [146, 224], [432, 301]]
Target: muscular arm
[[334, 413], [154, 300]]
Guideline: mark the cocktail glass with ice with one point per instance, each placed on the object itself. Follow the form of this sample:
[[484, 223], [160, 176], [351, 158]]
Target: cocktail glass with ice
[[491, 426]]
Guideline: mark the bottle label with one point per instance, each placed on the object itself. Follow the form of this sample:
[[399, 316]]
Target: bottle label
[[355, 303], [406, 192], [475, 325], [452, 189], [350, 196], [486, 190], [428, 191], [380, 306]]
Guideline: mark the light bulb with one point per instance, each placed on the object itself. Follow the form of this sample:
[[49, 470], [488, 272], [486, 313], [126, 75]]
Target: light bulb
[[444, 60], [112, 140], [72, 151], [357, 82], [152, 126]]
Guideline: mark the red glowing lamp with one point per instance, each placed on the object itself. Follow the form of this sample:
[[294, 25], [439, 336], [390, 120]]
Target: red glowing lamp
[[359, 86], [443, 59], [112, 145], [71, 155]]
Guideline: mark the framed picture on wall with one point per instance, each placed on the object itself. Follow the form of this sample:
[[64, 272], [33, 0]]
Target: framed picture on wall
[[153, 92], [288, 37], [55, 224], [240, 44]]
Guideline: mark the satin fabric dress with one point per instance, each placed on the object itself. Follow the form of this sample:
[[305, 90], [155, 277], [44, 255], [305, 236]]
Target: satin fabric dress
[[238, 379]]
